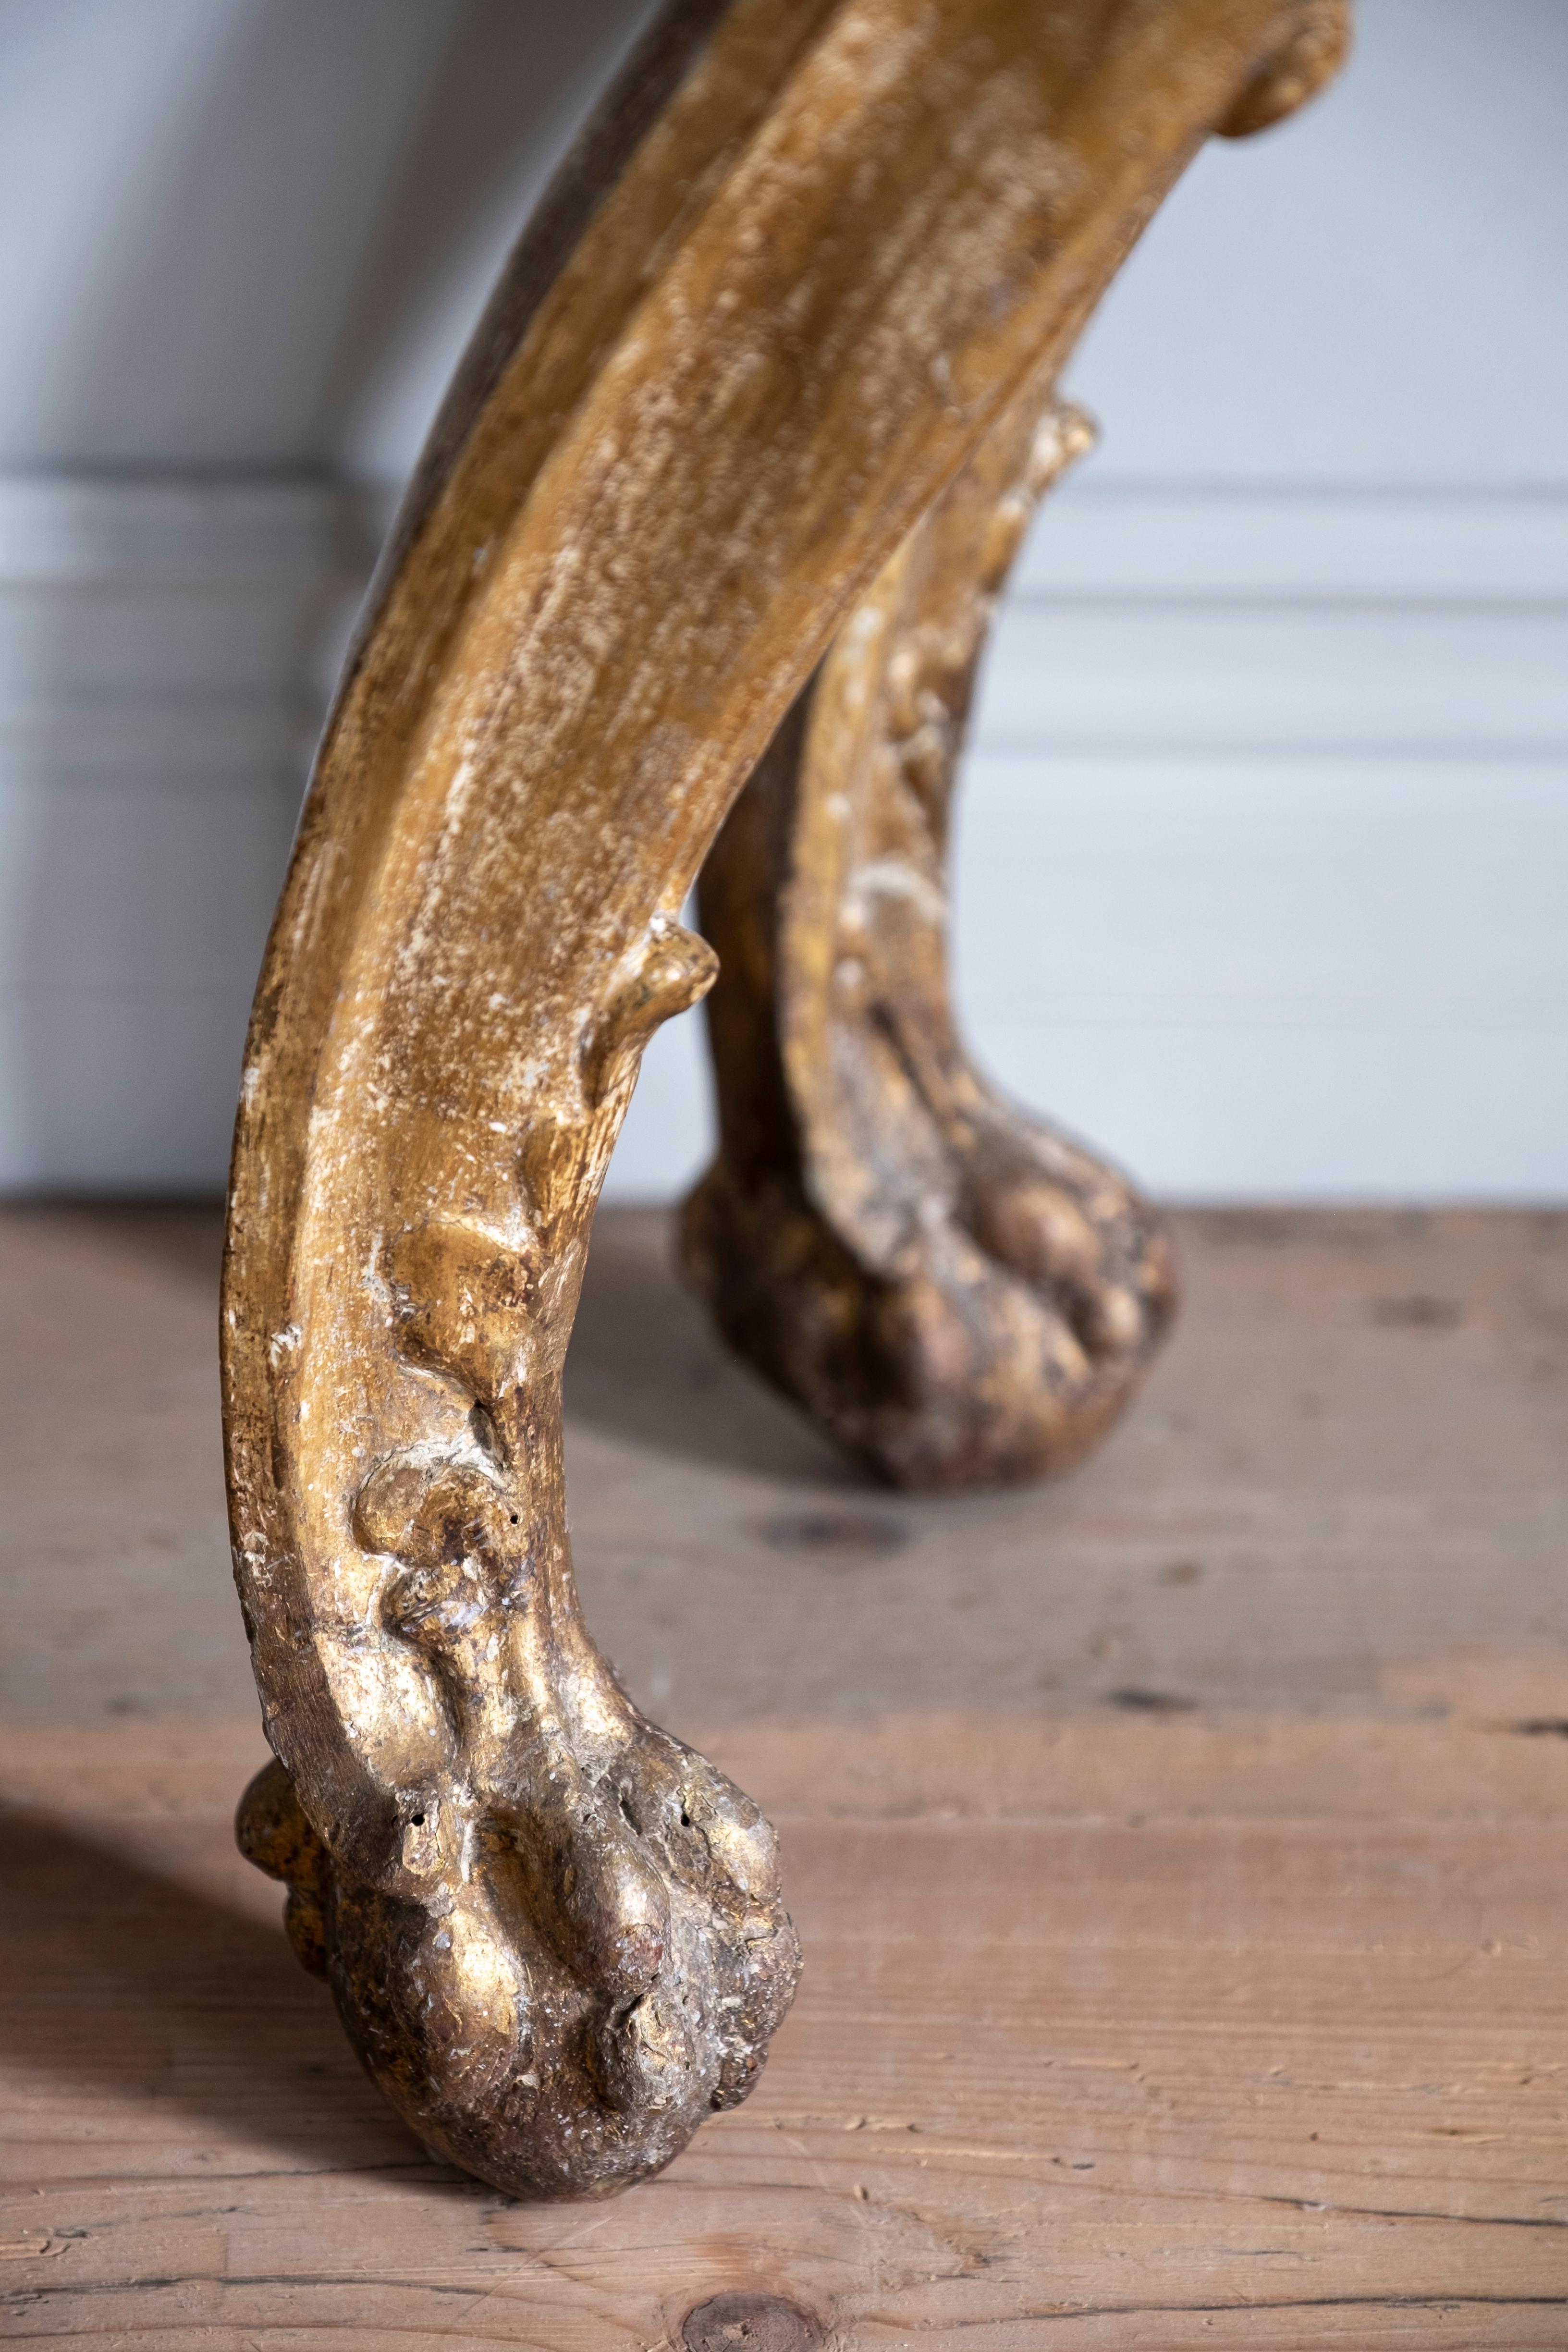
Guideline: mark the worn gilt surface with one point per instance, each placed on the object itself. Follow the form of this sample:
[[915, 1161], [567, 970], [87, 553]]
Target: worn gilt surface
[[804, 271], [953, 1292]]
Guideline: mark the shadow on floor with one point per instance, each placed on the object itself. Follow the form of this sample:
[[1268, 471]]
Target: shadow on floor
[[645, 1366], [136, 1991], [183, 1238]]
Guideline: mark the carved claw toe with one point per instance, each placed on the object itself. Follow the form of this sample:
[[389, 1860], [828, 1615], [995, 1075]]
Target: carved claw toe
[[271, 1831]]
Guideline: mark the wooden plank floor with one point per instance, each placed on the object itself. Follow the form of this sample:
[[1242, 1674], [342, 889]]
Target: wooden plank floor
[[1181, 1853]]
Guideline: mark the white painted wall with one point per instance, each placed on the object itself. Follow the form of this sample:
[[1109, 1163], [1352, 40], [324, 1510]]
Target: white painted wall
[[1263, 833]]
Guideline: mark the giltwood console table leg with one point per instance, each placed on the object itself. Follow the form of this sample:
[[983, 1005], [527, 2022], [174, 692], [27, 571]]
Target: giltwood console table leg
[[955, 1293], [800, 265]]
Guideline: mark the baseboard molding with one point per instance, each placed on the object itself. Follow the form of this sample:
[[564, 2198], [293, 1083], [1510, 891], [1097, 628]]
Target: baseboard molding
[[1230, 544], [93, 531], [1255, 773], [162, 680], [1160, 621]]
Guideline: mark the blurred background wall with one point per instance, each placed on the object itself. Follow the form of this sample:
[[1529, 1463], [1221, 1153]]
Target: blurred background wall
[[1264, 829]]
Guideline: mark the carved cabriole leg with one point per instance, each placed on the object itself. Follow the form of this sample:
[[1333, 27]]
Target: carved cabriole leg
[[955, 1293], [784, 289]]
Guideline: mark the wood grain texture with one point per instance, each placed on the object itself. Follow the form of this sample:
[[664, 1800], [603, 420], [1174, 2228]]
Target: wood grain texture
[[1282, 2078], [798, 268], [1177, 1848]]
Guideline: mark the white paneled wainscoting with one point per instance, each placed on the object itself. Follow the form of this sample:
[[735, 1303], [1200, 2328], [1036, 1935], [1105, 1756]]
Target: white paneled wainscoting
[[161, 644], [1262, 850]]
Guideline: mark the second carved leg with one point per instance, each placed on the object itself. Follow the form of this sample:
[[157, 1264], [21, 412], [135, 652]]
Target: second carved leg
[[955, 1293]]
